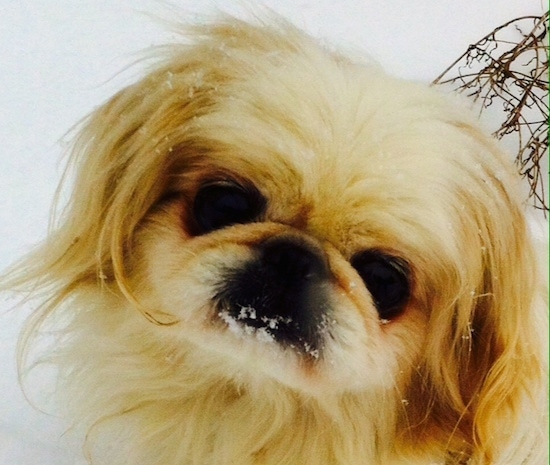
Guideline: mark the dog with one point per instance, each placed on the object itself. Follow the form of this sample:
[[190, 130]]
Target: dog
[[277, 254]]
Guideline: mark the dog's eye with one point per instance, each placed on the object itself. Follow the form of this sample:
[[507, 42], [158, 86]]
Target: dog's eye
[[386, 278], [222, 204]]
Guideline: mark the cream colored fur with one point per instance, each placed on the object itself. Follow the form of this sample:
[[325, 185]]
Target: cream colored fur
[[349, 158]]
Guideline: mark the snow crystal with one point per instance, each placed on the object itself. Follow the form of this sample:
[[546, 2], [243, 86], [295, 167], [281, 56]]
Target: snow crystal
[[271, 322], [263, 335], [231, 323], [168, 81], [311, 351], [470, 330], [237, 325], [247, 313]]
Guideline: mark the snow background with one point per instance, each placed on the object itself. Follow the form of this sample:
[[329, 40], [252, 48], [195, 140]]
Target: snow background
[[62, 58]]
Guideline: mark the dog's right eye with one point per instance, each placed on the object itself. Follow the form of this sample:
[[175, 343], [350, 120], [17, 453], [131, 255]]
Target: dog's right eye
[[225, 203]]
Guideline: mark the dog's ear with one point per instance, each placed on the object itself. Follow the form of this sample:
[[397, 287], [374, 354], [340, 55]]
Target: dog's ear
[[482, 361], [127, 151], [121, 159], [120, 165]]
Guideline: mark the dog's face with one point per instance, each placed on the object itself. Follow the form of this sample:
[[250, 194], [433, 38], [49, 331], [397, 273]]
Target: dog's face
[[285, 217], [281, 259], [309, 218]]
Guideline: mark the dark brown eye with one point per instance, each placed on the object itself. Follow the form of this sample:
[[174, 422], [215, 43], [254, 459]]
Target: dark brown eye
[[221, 204], [387, 280]]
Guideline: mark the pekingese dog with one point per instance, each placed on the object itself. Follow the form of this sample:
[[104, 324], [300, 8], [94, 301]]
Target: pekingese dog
[[277, 255]]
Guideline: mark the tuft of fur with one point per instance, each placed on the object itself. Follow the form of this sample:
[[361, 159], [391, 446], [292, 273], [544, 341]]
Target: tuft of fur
[[348, 156]]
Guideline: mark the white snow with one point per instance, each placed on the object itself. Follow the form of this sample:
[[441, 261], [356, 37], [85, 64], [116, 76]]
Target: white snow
[[61, 58], [238, 324]]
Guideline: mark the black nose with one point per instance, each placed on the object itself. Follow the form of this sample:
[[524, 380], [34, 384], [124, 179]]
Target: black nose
[[282, 294], [293, 263]]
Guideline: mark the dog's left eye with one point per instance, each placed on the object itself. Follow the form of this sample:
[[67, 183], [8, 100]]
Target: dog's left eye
[[386, 278], [225, 203]]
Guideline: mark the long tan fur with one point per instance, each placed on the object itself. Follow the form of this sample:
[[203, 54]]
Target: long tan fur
[[347, 156]]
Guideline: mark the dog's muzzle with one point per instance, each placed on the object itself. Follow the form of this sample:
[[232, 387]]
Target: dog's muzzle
[[282, 293]]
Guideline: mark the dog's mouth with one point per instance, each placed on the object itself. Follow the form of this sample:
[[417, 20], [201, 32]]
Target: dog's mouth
[[281, 296]]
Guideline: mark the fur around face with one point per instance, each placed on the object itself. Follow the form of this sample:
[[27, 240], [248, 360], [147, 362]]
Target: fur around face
[[347, 158]]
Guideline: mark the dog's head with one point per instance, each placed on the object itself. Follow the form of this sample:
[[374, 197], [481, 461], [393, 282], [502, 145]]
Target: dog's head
[[283, 216]]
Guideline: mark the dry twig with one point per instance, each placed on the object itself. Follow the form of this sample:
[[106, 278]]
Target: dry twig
[[509, 66]]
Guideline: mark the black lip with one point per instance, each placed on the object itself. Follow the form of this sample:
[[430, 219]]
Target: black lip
[[289, 305]]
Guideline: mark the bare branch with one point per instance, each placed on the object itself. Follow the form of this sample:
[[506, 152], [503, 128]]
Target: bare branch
[[509, 67]]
